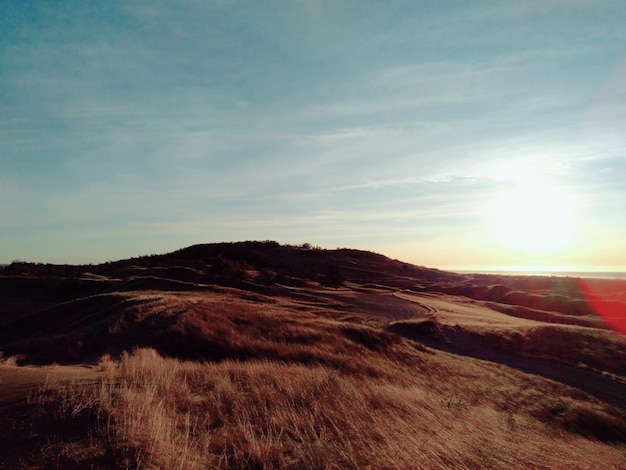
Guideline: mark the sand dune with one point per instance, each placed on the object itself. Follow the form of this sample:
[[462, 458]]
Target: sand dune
[[546, 371]]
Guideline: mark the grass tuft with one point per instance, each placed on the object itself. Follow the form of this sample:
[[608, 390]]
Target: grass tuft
[[156, 412]]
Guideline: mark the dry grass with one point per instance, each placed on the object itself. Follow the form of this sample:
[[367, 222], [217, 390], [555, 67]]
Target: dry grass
[[308, 379], [602, 350], [155, 412], [569, 342], [10, 360]]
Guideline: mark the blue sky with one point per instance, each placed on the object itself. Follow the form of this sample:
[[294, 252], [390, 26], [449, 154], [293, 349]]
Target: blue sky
[[411, 128]]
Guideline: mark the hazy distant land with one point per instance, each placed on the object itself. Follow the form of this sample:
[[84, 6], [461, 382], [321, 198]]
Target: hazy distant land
[[260, 355], [534, 272]]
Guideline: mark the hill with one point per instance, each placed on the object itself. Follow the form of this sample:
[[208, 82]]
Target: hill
[[258, 355]]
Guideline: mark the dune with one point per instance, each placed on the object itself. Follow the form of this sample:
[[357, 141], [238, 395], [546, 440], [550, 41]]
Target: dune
[[257, 355]]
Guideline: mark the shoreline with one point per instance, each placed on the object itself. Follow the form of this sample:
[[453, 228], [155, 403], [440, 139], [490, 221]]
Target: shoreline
[[614, 275]]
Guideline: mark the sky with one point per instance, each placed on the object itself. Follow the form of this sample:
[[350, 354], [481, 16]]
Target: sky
[[446, 134]]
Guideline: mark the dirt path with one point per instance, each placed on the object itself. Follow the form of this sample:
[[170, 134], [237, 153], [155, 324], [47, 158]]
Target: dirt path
[[458, 316], [455, 310], [20, 437], [17, 382], [603, 387]]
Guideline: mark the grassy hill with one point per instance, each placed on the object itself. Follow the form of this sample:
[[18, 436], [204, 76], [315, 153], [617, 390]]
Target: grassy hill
[[257, 355]]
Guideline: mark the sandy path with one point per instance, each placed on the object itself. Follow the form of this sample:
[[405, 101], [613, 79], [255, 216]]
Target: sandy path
[[453, 310], [21, 437], [17, 382]]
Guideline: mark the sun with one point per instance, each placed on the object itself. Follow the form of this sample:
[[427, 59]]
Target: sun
[[534, 218]]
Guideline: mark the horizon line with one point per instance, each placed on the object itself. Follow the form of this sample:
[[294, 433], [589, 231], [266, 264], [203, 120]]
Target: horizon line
[[537, 269]]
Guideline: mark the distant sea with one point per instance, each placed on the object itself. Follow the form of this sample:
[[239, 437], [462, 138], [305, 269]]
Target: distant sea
[[540, 272]]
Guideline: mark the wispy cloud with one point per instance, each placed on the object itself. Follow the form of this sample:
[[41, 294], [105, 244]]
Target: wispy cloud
[[368, 124]]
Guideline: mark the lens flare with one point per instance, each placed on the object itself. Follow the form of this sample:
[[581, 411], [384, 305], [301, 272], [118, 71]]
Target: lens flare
[[607, 299]]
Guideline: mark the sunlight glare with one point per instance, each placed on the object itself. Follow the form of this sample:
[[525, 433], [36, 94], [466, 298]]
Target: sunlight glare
[[534, 218]]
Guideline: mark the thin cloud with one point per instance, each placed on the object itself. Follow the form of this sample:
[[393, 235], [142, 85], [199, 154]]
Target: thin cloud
[[315, 121]]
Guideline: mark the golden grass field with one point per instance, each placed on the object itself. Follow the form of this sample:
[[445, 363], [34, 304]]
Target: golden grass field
[[169, 362]]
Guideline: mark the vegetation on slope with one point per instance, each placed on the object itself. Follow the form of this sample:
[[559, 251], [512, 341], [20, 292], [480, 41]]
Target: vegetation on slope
[[152, 412], [246, 356]]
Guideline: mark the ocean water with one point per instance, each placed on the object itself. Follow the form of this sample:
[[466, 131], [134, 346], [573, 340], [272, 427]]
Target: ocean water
[[536, 272]]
